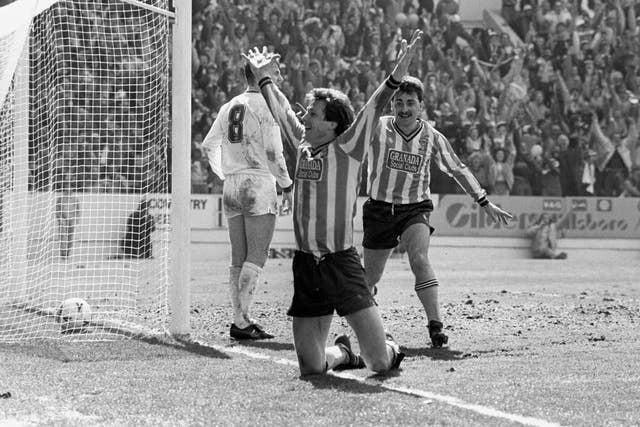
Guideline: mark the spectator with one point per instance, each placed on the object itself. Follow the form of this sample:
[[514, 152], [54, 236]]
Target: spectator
[[550, 169], [536, 107], [480, 164], [137, 238], [544, 238], [521, 181], [569, 156], [199, 177], [632, 183], [501, 172], [613, 162], [576, 57], [474, 142], [508, 11], [536, 167], [588, 179]]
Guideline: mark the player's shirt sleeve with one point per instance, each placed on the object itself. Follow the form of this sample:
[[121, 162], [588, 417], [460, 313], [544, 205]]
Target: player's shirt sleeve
[[212, 143], [355, 139], [283, 114], [448, 162]]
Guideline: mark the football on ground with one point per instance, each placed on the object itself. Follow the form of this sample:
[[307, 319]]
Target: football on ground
[[73, 315]]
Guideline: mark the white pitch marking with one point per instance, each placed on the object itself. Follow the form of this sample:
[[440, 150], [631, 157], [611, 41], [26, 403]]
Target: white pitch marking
[[430, 397]]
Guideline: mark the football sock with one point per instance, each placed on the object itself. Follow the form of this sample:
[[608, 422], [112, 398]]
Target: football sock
[[234, 292], [248, 280], [427, 292], [335, 356], [393, 353]]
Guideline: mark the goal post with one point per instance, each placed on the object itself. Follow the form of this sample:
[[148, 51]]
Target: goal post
[[95, 166], [180, 296]]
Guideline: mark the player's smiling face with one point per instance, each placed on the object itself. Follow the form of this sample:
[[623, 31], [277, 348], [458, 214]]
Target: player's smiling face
[[275, 71], [317, 130], [406, 108]]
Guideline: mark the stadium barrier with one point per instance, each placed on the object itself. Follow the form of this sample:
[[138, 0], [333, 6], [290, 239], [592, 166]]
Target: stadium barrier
[[578, 217], [456, 217]]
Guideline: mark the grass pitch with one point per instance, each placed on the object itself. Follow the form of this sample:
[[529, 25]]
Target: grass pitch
[[532, 342]]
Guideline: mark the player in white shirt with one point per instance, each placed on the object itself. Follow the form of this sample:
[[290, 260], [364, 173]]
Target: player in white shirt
[[244, 148]]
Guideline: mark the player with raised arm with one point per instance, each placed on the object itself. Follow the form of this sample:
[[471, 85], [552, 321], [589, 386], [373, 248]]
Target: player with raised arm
[[244, 148], [399, 201], [327, 271]]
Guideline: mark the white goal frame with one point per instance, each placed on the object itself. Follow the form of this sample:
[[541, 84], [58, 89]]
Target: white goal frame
[[179, 295], [180, 262]]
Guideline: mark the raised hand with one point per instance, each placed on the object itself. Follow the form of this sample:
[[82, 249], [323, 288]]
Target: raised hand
[[287, 202], [263, 63], [497, 214], [405, 56]]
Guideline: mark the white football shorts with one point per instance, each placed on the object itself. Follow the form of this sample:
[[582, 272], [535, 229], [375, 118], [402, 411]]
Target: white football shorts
[[249, 195]]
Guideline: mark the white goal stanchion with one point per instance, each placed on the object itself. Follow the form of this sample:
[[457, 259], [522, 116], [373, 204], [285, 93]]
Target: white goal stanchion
[[90, 142]]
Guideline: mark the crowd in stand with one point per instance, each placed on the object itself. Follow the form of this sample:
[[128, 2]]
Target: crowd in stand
[[97, 79], [549, 108]]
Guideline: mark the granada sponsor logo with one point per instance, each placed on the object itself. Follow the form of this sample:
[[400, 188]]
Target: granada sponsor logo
[[309, 169], [461, 215], [402, 161], [552, 205]]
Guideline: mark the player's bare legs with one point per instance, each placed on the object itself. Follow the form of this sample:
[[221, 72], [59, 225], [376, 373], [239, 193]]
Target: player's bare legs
[[250, 238], [377, 352], [310, 339], [374, 263], [238, 240], [416, 239], [259, 232]]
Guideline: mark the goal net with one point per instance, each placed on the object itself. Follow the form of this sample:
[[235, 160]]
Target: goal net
[[84, 167]]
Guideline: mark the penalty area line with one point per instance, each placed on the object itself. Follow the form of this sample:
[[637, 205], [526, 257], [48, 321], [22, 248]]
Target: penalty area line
[[430, 397]]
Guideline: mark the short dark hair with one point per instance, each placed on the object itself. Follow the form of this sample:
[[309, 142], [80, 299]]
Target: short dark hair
[[248, 74], [410, 85], [337, 108]]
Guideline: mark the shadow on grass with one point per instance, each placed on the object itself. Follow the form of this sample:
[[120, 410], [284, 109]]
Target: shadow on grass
[[84, 344], [434, 353], [347, 385], [192, 346], [386, 375], [137, 348], [266, 344]]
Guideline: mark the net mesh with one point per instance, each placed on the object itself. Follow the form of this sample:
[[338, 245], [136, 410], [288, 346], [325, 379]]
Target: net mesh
[[84, 167]]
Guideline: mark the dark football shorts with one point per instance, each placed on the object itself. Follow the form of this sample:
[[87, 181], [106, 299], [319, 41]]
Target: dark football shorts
[[334, 282], [384, 223]]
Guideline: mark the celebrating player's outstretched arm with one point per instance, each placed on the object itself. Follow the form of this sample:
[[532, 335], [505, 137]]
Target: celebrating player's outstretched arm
[[262, 62], [331, 145], [497, 214], [405, 56]]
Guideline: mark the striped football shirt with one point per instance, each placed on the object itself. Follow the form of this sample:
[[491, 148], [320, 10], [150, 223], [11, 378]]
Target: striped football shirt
[[327, 176], [398, 167], [245, 138]]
